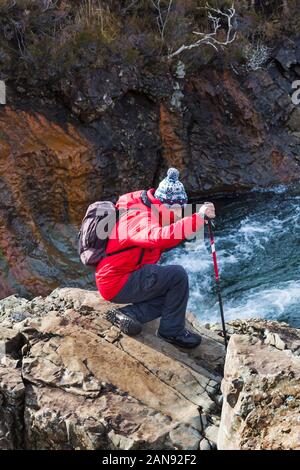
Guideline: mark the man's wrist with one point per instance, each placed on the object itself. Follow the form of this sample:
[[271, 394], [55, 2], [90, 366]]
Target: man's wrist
[[201, 212]]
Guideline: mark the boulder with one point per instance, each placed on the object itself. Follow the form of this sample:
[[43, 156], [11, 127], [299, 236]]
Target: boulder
[[286, 55], [261, 389]]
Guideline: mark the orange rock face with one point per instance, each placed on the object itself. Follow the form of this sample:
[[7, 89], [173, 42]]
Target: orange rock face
[[40, 163]]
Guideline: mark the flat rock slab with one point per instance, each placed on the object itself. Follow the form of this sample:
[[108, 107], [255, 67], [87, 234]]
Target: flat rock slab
[[79, 360], [90, 386]]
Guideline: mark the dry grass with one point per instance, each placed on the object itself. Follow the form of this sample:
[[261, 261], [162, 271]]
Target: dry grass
[[94, 14]]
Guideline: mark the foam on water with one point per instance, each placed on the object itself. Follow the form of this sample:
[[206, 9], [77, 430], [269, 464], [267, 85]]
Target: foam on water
[[270, 303], [258, 249], [279, 189]]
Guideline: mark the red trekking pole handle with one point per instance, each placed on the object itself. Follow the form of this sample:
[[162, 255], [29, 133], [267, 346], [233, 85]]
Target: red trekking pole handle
[[216, 269]]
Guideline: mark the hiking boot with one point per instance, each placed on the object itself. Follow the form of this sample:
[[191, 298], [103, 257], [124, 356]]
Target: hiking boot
[[185, 339], [127, 325]]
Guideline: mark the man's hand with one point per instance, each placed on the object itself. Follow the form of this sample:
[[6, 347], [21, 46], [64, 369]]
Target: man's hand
[[207, 210]]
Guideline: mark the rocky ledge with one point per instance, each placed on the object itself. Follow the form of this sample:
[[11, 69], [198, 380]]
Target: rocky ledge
[[71, 380]]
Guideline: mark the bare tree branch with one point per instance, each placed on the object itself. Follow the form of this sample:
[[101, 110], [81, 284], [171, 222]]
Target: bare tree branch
[[48, 4], [211, 39], [12, 4], [19, 32], [129, 6], [161, 19]]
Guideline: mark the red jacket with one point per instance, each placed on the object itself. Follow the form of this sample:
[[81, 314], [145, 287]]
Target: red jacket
[[141, 229]]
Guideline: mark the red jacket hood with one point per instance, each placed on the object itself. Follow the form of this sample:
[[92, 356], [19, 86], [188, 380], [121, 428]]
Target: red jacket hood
[[129, 200]]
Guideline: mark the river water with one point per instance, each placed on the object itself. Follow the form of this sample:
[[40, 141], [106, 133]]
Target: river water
[[258, 248]]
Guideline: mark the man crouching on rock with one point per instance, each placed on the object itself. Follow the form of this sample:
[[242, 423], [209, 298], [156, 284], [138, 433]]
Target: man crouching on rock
[[129, 273]]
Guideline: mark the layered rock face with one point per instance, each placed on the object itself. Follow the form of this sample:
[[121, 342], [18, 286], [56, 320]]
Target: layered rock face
[[261, 388], [70, 380], [110, 132]]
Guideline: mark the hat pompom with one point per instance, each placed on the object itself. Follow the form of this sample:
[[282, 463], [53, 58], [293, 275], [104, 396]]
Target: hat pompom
[[173, 174], [170, 190]]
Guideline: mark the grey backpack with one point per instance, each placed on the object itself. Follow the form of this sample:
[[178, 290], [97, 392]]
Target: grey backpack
[[98, 222], [96, 227]]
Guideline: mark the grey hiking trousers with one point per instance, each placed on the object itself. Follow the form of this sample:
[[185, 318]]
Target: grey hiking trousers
[[157, 291]]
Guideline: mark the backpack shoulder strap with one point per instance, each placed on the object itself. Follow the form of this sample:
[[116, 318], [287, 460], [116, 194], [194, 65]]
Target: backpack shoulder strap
[[120, 213]]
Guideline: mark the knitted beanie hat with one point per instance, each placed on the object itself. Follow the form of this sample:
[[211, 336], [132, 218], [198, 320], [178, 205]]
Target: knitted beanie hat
[[171, 190]]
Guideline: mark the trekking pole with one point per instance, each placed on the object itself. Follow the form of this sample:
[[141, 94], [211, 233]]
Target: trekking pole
[[214, 256]]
